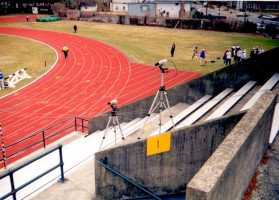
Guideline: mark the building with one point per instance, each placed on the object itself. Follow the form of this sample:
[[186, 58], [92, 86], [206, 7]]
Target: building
[[152, 8], [255, 5]]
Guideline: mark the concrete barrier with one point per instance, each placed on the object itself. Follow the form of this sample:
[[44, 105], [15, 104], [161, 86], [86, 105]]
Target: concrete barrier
[[228, 172], [164, 173]]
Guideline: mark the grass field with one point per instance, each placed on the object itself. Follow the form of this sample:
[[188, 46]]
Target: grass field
[[145, 45]]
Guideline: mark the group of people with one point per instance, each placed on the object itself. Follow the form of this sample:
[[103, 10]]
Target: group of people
[[256, 51], [236, 54], [202, 55], [195, 54]]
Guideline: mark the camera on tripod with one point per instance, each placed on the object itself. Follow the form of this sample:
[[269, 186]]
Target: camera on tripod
[[164, 70], [161, 63], [113, 105]]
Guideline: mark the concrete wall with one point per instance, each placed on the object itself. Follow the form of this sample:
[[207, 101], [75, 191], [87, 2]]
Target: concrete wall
[[228, 172], [167, 172], [261, 68]]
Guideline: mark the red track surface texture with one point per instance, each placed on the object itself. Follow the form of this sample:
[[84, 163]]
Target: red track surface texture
[[94, 74]]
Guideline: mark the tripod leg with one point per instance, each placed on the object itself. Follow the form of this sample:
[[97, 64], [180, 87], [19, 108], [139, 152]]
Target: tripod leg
[[119, 127], [105, 132], [114, 130], [161, 110], [168, 107], [150, 111]]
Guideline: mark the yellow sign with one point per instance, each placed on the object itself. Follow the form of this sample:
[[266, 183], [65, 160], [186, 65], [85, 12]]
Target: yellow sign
[[158, 144]]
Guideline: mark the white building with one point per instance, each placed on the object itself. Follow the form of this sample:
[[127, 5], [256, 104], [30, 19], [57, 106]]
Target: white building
[[164, 8]]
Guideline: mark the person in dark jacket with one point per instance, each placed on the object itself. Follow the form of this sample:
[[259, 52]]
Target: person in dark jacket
[[65, 50], [202, 57], [75, 28], [172, 49]]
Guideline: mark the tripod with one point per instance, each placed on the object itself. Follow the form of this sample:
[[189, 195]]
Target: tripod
[[113, 117], [161, 104]]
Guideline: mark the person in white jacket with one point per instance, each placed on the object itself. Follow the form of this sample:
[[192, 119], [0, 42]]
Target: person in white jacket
[[243, 54]]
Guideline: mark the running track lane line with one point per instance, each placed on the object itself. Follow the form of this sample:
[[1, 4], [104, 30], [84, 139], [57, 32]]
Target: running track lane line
[[94, 74]]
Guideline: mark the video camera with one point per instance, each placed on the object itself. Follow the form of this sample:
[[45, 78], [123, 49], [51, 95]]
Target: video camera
[[113, 105], [161, 63]]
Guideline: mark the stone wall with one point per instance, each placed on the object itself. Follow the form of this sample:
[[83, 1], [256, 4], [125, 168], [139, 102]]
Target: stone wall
[[228, 172]]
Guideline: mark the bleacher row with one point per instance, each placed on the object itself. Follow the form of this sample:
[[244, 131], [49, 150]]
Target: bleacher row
[[195, 112], [16, 77]]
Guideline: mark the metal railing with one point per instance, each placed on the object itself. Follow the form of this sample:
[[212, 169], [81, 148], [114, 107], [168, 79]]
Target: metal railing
[[11, 172], [103, 162], [42, 138]]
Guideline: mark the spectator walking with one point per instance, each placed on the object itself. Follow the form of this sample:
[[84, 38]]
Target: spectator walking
[[202, 57], [225, 57], [228, 58], [172, 49], [65, 50], [261, 50], [235, 56], [75, 28], [256, 51], [243, 54], [239, 54], [252, 53], [232, 51], [195, 53], [1, 81]]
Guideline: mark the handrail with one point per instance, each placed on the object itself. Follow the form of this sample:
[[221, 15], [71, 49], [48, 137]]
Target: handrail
[[103, 162], [44, 138], [10, 172]]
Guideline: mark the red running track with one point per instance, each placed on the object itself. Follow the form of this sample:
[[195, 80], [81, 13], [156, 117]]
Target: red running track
[[94, 74]]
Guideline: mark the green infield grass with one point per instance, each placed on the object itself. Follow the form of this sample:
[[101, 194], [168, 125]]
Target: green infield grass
[[146, 45]]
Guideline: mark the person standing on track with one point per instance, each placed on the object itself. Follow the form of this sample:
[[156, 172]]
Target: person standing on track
[[65, 50]]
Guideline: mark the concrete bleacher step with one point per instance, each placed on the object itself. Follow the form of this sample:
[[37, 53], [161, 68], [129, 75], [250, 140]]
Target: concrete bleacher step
[[204, 109], [113, 139], [275, 124], [232, 101], [168, 125], [153, 124], [266, 87]]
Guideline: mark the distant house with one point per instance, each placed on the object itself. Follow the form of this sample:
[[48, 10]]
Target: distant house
[[173, 8], [88, 6], [120, 5], [142, 9], [152, 8]]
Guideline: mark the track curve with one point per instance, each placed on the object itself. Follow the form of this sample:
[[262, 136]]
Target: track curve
[[94, 74]]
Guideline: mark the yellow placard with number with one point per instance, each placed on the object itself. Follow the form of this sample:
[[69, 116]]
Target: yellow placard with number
[[159, 144]]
